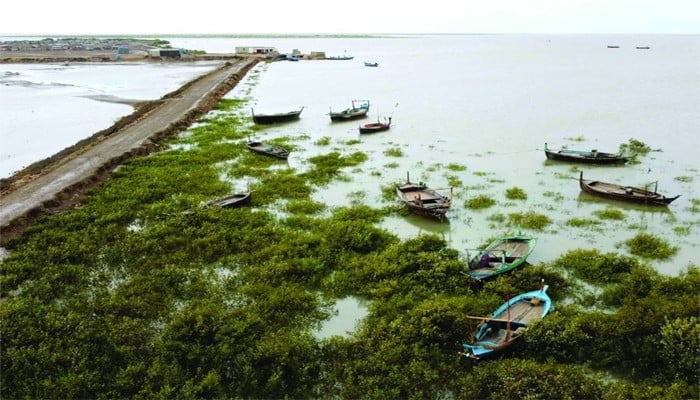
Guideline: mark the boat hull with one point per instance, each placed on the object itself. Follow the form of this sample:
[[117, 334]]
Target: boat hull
[[586, 157], [505, 325], [628, 194], [266, 119], [232, 201], [424, 201], [501, 256], [268, 150]]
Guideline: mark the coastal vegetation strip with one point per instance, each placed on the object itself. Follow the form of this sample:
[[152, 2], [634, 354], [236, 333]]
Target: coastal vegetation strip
[[140, 292]]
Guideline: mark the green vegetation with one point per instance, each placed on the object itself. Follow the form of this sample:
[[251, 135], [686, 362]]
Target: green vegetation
[[393, 152], [684, 179], [516, 193], [610, 213], [649, 246], [582, 222], [530, 220], [480, 201], [142, 293], [324, 141]]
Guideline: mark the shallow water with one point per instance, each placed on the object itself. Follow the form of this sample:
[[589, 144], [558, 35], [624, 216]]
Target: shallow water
[[48, 107], [484, 102]]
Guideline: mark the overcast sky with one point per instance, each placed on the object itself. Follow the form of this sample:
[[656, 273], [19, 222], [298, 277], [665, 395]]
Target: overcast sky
[[63, 17]]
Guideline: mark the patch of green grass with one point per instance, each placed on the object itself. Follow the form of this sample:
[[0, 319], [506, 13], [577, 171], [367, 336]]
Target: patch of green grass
[[682, 230], [516, 193], [576, 138], [456, 167], [352, 142], [684, 179], [649, 246], [610, 213], [498, 217], [694, 206], [479, 202], [454, 181], [392, 165], [556, 196], [304, 206], [324, 141], [481, 173], [530, 220], [393, 152], [582, 222]]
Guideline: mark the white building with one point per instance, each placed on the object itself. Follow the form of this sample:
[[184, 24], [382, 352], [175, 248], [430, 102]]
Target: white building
[[255, 50]]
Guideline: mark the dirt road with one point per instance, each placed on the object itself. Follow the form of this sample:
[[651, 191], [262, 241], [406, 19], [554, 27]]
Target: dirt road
[[61, 183]]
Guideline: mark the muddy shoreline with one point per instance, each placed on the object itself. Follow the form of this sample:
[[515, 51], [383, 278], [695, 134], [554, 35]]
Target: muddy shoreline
[[12, 223]]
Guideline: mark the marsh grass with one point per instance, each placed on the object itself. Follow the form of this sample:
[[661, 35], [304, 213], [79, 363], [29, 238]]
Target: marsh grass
[[529, 220], [582, 222], [650, 246], [694, 205], [556, 196], [610, 213], [684, 179], [456, 167], [479, 202], [324, 141], [393, 152], [516, 193]]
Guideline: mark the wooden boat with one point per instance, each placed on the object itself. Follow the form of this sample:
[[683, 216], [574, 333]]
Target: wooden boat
[[625, 193], [359, 110], [422, 200], [503, 255], [231, 201], [267, 149], [507, 324], [275, 118], [584, 156], [613, 47], [371, 64], [374, 127]]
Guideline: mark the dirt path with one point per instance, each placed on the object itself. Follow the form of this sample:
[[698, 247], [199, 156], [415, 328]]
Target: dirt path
[[62, 183]]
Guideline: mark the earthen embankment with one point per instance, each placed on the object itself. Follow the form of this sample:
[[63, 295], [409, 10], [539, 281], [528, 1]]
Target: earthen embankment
[[60, 181]]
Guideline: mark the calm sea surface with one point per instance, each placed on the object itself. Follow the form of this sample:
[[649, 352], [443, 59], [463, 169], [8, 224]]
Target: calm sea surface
[[484, 102]]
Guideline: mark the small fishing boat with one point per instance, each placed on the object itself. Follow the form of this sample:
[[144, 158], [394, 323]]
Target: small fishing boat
[[503, 255], [371, 64], [507, 324], [374, 127], [359, 109], [267, 149], [625, 193], [275, 118], [584, 156], [231, 201], [423, 200], [613, 47]]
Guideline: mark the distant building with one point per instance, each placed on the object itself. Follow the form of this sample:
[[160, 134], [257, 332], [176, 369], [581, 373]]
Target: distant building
[[173, 53], [255, 50]]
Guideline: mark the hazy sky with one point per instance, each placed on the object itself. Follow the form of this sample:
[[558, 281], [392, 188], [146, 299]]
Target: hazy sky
[[354, 16]]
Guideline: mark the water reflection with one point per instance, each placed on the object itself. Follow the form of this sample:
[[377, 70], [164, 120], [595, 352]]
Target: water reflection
[[349, 312]]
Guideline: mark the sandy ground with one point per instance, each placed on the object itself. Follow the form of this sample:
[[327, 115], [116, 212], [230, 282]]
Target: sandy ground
[[61, 183]]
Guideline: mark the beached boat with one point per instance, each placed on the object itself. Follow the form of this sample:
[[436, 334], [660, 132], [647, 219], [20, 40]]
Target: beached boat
[[359, 109], [423, 200], [585, 156], [503, 255], [625, 193], [267, 149], [231, 201], [371, 64], [374, 127], [507, 324], [275, 118]]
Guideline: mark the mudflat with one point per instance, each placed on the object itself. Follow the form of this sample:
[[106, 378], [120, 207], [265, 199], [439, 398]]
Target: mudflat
[[59, 184]]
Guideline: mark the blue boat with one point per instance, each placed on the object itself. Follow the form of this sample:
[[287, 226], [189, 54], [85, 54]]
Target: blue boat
[[507, 324]]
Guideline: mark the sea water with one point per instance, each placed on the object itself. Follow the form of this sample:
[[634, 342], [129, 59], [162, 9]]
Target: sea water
[[468, 111]]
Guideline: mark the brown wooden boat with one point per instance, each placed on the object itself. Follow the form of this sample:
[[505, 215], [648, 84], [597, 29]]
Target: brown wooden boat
[[422, 200], [268, 149], [625, 193]]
